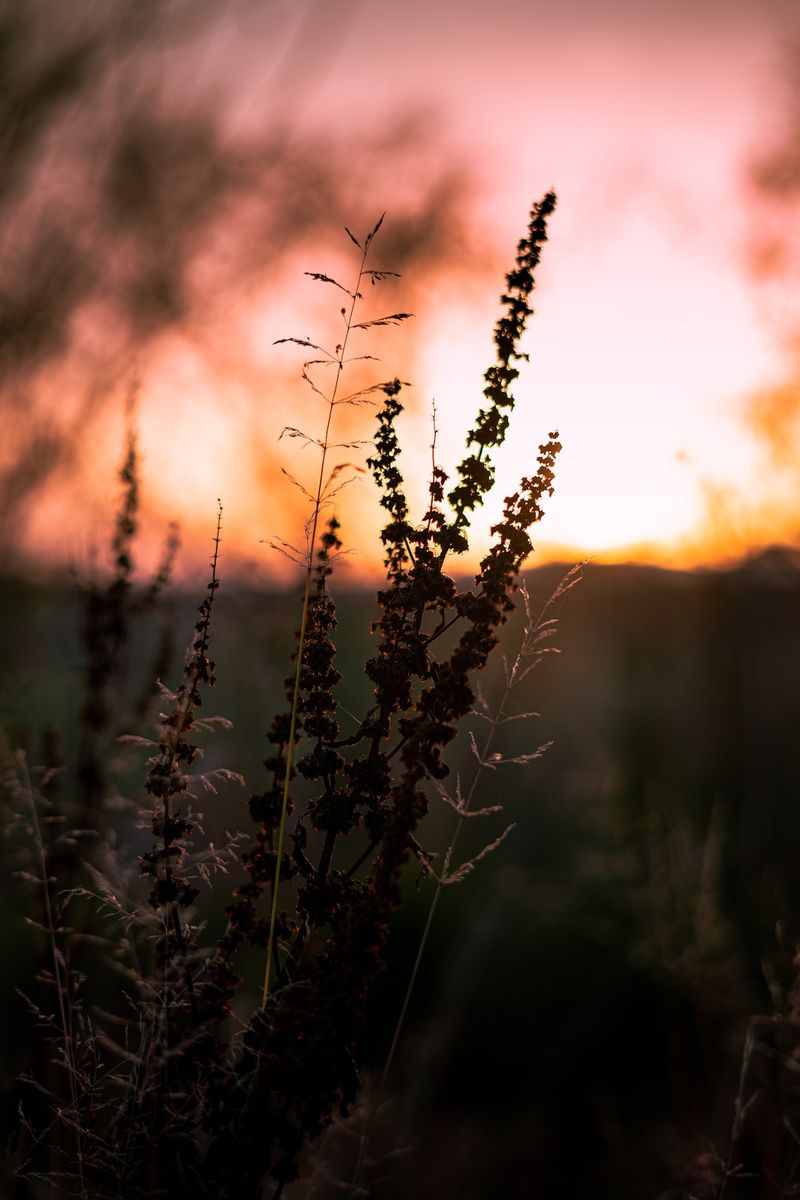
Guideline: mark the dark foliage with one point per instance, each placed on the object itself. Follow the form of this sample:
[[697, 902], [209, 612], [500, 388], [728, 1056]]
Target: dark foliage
[[205, 1113]]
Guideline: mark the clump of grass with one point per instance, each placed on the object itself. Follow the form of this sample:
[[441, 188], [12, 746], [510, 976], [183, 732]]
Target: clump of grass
[[203, 1108]]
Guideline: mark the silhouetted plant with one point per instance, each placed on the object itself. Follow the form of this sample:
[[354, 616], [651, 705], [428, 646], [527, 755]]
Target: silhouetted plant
[[109, 609], [374, 779], [208, 1112]]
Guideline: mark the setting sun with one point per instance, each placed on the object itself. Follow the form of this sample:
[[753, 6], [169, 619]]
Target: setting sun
[[653, 332]]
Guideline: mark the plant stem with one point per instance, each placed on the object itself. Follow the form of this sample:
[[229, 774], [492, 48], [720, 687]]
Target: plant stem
[[318, 501], [513, 676], [423, 941]]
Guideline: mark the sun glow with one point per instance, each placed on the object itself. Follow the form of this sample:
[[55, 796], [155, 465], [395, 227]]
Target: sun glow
[[673, 393]]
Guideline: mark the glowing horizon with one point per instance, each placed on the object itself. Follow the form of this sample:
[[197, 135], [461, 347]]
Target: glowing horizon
[[657, 349]]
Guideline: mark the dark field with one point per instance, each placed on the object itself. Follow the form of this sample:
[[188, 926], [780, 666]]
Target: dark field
[[578, 1022]]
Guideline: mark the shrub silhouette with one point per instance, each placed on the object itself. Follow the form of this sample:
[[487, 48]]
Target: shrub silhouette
[[164, 1096]]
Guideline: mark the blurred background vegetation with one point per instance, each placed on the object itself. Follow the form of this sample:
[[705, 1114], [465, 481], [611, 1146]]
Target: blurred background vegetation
[[578, 1023]]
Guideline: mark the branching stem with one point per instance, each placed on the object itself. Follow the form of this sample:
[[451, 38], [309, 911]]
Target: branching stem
[[530, 640], [318, 502]]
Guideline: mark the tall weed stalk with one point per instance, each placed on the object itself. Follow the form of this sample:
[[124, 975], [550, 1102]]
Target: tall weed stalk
[[184, 1101], [322, 496]]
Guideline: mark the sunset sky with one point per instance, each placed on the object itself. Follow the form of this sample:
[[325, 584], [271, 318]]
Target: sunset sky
[[177, 172]]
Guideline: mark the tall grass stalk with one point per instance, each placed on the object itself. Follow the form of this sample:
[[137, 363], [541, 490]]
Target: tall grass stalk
[[320, 496]]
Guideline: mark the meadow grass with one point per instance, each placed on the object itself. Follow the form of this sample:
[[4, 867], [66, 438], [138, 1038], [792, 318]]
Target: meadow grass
[[155, 1081]]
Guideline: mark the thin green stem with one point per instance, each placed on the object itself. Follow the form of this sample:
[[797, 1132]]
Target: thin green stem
[[423, 941], [318, 502], [273, 916], [401, 1020]]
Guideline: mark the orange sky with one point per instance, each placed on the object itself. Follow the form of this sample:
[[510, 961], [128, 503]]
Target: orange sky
[[667, 361]]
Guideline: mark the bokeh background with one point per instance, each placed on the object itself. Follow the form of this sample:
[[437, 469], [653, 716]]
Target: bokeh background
[[169, 172]]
